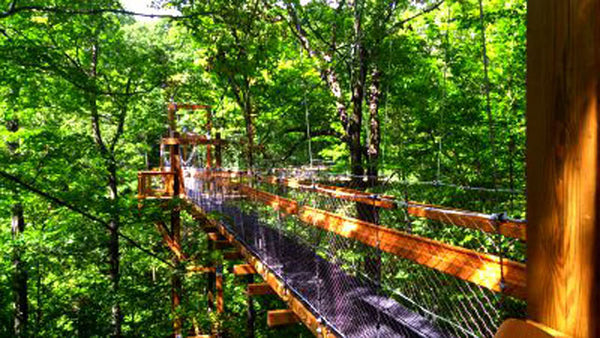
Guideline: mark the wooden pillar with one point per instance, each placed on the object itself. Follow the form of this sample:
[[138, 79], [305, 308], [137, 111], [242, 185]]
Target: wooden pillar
[[176, 282], [219, 288], [563, 231]]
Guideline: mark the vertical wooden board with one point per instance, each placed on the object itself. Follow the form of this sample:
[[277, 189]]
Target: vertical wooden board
[[562, 165]]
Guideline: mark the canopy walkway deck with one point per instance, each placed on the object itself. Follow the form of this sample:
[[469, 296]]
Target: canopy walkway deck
[[356, 310]]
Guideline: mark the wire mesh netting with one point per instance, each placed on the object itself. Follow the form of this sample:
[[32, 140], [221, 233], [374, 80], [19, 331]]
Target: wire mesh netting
[[379, 257]]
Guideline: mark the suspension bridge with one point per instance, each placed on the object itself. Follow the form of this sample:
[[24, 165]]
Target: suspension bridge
[[350, 256]]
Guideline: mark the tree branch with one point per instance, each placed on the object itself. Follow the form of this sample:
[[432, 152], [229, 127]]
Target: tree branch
[[401, 23], [12, 10], [82, 212]]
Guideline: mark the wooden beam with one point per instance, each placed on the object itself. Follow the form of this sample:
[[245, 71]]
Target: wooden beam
[[219, 241], [338, 192], [200, 269], [281, 318], [191, 140], [456, 217], [315, 325], [260, 289], [284, 205], [233, 256], [468, 219], [243, 269], [563, 165], [188, 106], [171, 244], [481, 269], [145, 189], [214, 236]]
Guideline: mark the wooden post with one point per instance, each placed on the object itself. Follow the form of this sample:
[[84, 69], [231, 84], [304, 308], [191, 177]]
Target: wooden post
[[176, 283], [563, 188], [219, 288], [176, 279]]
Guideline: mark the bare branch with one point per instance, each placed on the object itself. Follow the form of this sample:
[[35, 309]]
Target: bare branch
[[93, 11]]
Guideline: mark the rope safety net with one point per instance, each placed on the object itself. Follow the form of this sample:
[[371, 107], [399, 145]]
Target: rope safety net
[[379, 257]]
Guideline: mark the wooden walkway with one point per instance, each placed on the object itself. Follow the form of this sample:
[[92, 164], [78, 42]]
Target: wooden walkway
[[354, 310]]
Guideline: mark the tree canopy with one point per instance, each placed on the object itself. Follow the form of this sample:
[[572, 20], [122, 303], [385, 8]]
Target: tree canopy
[[430, 91]]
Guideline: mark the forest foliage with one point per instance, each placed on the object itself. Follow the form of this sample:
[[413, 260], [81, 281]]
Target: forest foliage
[[427, 90]]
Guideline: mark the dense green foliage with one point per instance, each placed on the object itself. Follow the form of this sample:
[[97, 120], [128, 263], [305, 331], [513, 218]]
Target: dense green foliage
[[83, 98]]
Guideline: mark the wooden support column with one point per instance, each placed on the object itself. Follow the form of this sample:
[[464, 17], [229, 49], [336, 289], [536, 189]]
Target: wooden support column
[[563, 201], [176, 282], [219, 288]]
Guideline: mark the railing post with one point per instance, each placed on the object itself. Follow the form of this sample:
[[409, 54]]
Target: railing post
[[563, 187]]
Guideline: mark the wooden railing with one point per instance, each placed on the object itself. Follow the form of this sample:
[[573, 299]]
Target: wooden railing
[[486, 270], [456, 217], [155, 184]]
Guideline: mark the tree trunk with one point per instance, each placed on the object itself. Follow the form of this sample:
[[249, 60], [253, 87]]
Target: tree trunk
[[19, 275], [113, 247], [374, 125], [250, 136], [113, 242], [358, 93], [247, 106]]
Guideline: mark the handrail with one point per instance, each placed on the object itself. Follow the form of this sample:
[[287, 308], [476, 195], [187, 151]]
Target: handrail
[[486, 270], [464, 218], [146, 190]]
